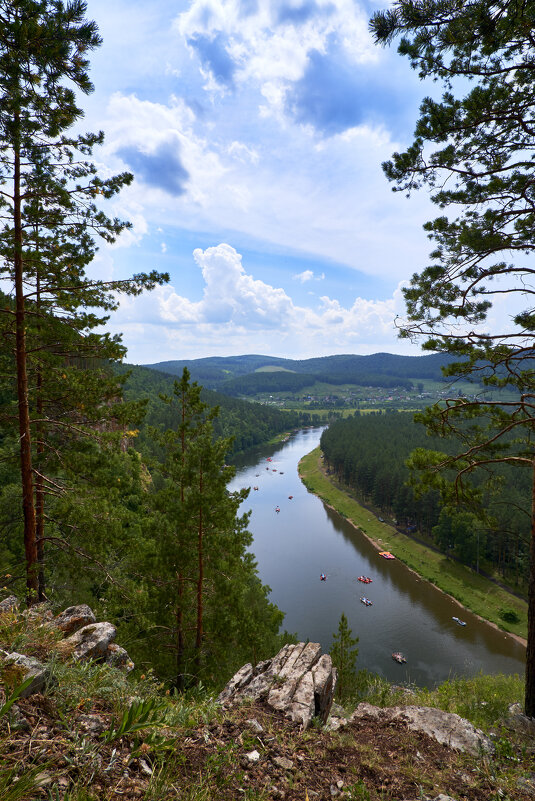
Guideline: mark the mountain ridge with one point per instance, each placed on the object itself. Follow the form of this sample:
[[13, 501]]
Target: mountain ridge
[[218, 372]]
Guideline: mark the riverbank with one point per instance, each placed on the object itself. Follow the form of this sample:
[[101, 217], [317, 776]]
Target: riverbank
[[469, 589]]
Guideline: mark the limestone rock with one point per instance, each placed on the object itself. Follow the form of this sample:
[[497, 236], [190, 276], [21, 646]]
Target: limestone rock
[[17, 668], [118, 657], [283, 762], [298, 681], [89, 642], [9, 604], [74, 618], [518, 722], [254, 726], [445, 727], [39, 613]]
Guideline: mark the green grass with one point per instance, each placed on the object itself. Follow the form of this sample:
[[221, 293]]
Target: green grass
[[474, 592], [483, 699]]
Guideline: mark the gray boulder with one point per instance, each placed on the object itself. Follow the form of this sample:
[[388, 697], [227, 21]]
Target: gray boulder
[[17, 668], [74, 618], [118, 657], [89, 642], [518, 722], [445, 727], [10, 604], [298, 681]]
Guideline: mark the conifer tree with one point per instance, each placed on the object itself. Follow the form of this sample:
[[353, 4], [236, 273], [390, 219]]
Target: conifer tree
[[344, 654], [205, 590], [473, 150], [50, 225]]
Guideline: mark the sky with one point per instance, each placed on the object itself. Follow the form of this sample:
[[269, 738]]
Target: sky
[[255, 130]]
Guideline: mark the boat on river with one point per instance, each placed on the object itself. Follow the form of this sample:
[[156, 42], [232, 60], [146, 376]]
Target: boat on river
[[366, 601], [365, 579], [459, 622], [397, 656], [386, 555]]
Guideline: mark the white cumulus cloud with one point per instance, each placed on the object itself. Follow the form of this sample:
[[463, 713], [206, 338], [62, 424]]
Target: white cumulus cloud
[[240, 314]]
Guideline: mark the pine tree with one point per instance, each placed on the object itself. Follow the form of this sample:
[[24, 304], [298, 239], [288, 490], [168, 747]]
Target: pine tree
[[473, 152], [206, 609], [196, 514], [344, 654]]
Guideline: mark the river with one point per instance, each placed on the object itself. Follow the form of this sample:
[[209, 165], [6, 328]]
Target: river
[[294, 546]]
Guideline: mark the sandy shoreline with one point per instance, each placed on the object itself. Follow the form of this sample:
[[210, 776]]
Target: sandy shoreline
[[379, 547]]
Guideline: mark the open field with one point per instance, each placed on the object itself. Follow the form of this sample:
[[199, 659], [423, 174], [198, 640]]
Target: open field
[[474, 592]]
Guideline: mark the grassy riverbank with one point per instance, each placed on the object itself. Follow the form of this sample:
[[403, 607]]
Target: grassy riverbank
[[474, 592]]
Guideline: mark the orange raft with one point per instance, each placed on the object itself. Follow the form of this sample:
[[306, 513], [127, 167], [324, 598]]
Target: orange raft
[[386, 555]]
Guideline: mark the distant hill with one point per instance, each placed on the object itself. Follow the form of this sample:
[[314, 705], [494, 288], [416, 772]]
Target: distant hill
[[251, 374], [249, 423]]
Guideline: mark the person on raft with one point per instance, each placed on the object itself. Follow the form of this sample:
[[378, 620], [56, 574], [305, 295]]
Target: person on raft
[[323, 577]]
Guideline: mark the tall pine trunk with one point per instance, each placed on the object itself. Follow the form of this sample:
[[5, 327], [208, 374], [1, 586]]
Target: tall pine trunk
[[200, 574], [39, 482], [28, 504], [180, 633], [529, 705]]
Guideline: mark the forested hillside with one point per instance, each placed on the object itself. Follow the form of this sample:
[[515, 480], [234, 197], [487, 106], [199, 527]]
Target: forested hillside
[[247, 423], [242, 374], [368, 453]]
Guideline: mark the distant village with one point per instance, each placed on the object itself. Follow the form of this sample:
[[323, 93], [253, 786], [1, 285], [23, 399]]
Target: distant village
[[362, 397]]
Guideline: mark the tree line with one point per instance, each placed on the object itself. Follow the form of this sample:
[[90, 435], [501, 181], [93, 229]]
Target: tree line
[[214, 372], [372, 455], [283, 381]]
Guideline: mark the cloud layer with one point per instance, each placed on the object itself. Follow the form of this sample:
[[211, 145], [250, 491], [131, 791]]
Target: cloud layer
[[241, 314], [260, 123]]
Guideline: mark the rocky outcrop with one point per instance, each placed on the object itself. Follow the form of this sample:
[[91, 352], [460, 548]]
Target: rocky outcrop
[[74, 618], [83, 638], [18, 668], [299, 681], [518, 722], [445, 727], [9, 604], [89, 642]]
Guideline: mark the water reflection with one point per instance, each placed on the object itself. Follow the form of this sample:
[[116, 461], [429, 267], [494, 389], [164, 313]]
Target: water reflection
[[293, 547]]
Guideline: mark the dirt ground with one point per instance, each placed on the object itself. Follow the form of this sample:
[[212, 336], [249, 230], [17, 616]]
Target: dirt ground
[[250, 753]]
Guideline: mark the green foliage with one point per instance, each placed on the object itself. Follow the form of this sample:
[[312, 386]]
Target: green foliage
[[144, 714], [380, 369], [483, 700], [80, 684], [247, 424], [200, 610], [17, 785], [17, 691], [344, 654], [357, 792], [57, 388], [471, 152], [509, 615]]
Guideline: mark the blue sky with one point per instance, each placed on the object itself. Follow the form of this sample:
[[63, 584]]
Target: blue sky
[[256, 130]]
